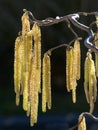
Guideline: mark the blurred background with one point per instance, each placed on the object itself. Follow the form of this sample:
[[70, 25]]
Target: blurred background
[[64, 113]]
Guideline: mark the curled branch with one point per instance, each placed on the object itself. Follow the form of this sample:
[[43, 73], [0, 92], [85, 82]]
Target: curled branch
[[88, 42]]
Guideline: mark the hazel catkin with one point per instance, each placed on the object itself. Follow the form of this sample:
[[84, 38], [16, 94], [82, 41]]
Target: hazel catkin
[[81, 123], [46, 77]]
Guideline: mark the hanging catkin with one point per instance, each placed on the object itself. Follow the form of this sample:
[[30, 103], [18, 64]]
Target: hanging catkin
[[25, 64], [90, 84], [70, 73], [78, 59], [33, 93], [86, 79], [37, 52], [96, 44], [81, 123], [69, 69], [46, 90], [76, 67], [18, 67]]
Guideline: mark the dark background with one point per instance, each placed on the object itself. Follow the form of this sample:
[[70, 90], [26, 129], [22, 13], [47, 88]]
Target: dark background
[[10, 24]]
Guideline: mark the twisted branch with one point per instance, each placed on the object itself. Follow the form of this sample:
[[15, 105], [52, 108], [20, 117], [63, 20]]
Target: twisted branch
[[73, 18]]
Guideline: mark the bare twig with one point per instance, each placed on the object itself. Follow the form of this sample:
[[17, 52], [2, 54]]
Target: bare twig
[[88, 42]]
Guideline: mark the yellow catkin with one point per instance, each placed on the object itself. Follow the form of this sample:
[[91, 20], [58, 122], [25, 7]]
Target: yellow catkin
[[46, 90], [86, 79], [28, 62], [75, 63], [33, 93], [82, 123], [18, 67], [37, 52], [27, 42], [69, 69], [96, 44], [96, 55], [32, 98], [78, 60], [25, 91], [76, 68], [92, 78], [90, 83], [25, 24], [74, 95]]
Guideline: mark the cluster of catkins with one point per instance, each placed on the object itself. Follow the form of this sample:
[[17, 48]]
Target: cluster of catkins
[[73, 62], [27, 70]]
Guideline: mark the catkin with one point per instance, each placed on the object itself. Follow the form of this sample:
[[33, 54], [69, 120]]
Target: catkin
[[46, 90], [69, 69], [86, 79], [96, 55], [74, 95], [37, 52], [76, 63], [81, 123], [71, 73], [18, 68], [90, 84], [25, 24], [78, 60], [33, 93], [96, 44]]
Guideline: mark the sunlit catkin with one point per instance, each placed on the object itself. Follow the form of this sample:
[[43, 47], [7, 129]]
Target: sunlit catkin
[[33, 93], [92, 80], [96, 44], [69, 69], [96, 55], [25, 24], [78, 59], [18, 67], [37, 52], [90, 84], [86, 78], [46, 77], [27, 35], [81, 123], [76, 62]]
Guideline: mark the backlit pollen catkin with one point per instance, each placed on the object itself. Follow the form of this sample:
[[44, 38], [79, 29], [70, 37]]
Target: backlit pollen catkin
[[73, 61], [69, 69], [18, 67], [96, 55], [37, 52], [81, 123], [76, 68], [46, 77], [90, 83], [96, 44], [28, 69], [33, 93]]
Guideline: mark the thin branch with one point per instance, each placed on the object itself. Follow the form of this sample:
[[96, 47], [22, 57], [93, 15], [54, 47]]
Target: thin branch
[[49, 52], [88, 42], [70, 27]]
